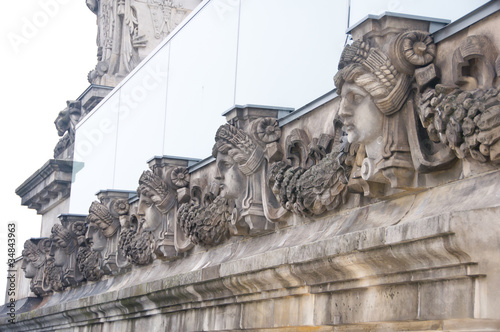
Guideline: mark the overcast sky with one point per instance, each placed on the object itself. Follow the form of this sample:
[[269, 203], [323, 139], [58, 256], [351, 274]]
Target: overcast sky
[[48, 47]]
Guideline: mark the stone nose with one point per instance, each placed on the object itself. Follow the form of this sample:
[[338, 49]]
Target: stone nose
[[345, 110]]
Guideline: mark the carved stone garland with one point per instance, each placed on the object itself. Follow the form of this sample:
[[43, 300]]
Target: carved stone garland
[[318, 188], [205, 225]]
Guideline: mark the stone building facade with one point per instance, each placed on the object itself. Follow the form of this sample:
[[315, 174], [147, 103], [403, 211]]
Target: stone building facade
[[376, 208]]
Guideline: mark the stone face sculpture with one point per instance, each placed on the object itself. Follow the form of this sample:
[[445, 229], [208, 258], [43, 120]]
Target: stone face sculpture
[[373, 92], [240, 162], [99, 257], [66, 238], [394, 125], [377, 110], [35, 255], [151, 231]]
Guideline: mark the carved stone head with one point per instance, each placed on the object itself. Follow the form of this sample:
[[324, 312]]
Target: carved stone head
[[154, 201], [237, 157], [34, 256], [101, 222], [374, 86], [65, 241]]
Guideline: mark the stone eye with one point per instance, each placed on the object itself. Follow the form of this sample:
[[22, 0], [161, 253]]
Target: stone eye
[[357, 99]]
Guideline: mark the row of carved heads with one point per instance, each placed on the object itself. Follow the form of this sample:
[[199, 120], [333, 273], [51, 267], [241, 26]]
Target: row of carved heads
[[395, 122]]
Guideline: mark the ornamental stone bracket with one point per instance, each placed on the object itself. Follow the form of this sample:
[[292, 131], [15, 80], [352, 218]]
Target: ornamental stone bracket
[[48, 186]]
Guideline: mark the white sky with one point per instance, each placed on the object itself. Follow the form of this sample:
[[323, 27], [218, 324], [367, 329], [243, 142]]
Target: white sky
[[48, 47], [45, 67]]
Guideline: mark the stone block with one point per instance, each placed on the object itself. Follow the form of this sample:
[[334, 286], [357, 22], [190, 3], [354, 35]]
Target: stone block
[[373, 304], [257, 315], [447, 299], [420, 229]]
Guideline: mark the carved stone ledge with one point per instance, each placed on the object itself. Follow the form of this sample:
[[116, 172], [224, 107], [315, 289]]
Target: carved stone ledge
[[384, 267], [241, 115], [93, 96], [48, 186]]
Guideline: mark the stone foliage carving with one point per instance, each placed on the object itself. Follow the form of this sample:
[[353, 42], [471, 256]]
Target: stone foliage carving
[[315, 189], [466, 117], [205, 224], [89, 263], [52, 277], [35, 254], [394, 124], [137, 247], [467, 121]]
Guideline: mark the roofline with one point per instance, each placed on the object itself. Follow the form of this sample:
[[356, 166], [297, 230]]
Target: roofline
[[400, 15], [467, 20], [312, 105]]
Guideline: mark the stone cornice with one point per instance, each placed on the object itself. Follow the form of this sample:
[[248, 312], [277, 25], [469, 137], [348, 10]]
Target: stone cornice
[[311, 270], [47, 186]]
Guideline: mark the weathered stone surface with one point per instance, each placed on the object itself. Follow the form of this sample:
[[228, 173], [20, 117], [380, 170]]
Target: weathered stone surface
[[377, 211]]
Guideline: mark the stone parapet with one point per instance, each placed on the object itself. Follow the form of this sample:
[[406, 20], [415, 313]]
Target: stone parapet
[[417, 269]]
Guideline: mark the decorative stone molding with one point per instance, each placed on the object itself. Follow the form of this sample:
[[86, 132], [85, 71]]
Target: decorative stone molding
[[48, 186]]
